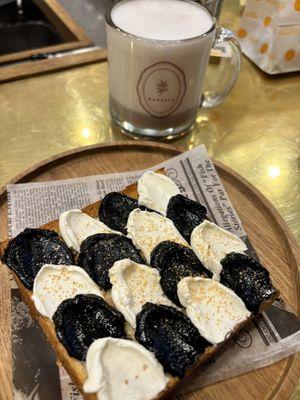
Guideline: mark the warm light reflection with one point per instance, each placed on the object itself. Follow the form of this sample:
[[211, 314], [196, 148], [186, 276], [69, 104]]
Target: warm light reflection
[[85, 133], [202, 118], [273, 172]]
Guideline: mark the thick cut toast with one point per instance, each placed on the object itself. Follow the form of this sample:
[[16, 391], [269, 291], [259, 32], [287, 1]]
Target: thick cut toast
[[75, 368]]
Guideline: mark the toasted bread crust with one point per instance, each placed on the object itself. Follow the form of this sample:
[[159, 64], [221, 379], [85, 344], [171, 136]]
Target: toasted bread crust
[[75, 368]]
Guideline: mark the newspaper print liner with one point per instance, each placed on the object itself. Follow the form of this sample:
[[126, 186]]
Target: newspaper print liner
[[73, 367], [264, 341]]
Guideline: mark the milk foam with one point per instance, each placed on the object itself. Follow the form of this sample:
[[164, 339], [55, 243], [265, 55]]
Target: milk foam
[[161, 19]]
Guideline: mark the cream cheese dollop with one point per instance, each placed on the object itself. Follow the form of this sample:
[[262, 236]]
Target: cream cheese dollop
[[56, 283], [211, 244], [147, 229], [214, 309], [133, 285], [120, 369], [155, 191], [75, 226]]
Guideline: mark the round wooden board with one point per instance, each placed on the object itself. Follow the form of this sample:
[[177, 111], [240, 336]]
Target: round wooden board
[[268, 232]]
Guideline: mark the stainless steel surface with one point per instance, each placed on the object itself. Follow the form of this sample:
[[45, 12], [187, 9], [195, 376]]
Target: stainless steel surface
[[26, 36], [24, 27]]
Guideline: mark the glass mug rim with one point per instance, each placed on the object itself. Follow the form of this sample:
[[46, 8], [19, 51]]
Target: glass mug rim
[[110, 22]]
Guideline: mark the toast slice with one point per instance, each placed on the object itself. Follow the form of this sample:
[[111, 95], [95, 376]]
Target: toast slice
[[76, 368]]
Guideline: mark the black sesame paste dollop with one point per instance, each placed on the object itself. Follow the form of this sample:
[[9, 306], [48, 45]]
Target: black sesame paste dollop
[[83, 319], [31, 249], [248, 279], [99, 252], [171, 336], [114, 210], [186, 214], [174, 263]]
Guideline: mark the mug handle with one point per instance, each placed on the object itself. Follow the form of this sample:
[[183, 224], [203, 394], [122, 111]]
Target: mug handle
[[227, 45]]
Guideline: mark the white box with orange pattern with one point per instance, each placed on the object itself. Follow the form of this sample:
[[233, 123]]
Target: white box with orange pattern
[[269, 34]]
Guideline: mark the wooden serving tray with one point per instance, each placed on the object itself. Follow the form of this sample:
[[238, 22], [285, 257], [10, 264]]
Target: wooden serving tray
[[268, 232]]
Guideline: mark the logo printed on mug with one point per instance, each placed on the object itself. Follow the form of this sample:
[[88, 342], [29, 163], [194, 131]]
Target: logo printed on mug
[[161, 88], [158, 54]]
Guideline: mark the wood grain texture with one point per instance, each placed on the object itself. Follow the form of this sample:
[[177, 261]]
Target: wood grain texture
[[38, 67], [25, 55], [269, 234], [61, 19]]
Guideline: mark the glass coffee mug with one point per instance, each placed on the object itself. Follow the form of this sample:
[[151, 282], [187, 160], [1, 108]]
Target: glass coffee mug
[[156, 84]]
